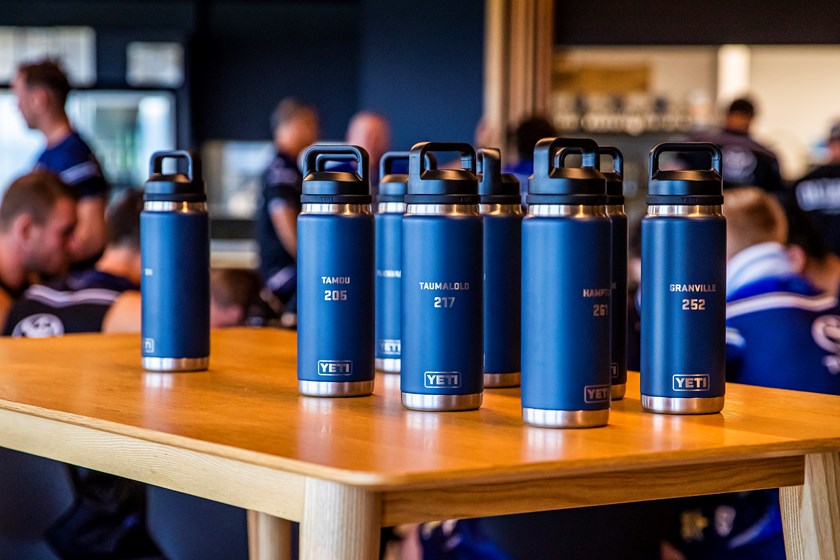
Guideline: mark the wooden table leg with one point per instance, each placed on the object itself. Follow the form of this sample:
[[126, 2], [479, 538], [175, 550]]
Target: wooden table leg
[[339, 522], [811, 513], [269, 538]]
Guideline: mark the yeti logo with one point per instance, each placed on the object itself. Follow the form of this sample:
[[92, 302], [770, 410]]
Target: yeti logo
[[826, 333], [42, 325]]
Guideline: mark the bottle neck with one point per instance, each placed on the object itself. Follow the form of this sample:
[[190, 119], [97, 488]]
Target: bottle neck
[[335, 209], [442, 210], [696, 210], [568, 210]]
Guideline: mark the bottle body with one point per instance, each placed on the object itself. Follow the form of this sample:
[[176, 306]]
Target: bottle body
[[442, 324], [388, 285], [335, 300], [683, 351], [618, 334], [566, 316], [175, 286], [502, 293]]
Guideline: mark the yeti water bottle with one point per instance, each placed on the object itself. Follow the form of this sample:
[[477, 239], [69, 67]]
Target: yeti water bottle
[[389, 216], [566, 290], [175, 255], [501, 212], [683, 287], [335, 276], [618, 219], [442, 306]]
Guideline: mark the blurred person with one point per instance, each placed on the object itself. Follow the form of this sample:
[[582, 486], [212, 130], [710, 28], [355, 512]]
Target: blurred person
[[780, 332], [529, 131], [295, 126], [105, 298], [41, 89], [818, 193], [745, 161], [107, 517], [235, 299], [37, 217], [809, 252], [372, 132]]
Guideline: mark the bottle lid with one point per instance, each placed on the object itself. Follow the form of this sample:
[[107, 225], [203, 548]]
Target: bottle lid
[[335, 187], [392, 186], [495, 187], [175, 187], [553, 183], [686, 187], [428, 185]]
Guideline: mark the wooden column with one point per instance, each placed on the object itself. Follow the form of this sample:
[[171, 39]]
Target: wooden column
[[339, 522], [811, 512], [269, 537], [518, 52]]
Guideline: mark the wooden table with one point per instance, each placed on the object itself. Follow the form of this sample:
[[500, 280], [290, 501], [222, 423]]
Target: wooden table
[[240, 434]]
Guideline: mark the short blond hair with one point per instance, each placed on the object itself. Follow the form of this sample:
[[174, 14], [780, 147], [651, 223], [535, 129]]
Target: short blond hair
[[753, 216]]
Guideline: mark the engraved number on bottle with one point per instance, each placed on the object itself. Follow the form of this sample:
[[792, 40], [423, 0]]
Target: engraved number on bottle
[[600, 309], [694, 304], [444, 302], [335, 295]]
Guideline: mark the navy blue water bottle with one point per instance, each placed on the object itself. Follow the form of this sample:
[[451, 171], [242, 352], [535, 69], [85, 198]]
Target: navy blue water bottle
[[335, 276], [501, 212], [175, 255], [442, 338], [566, 290], [618, 218], [683, 338], [389, 216]]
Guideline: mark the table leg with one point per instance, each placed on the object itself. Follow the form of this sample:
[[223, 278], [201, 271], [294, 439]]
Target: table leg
[[339, 522], [811, 513], [269, 537]]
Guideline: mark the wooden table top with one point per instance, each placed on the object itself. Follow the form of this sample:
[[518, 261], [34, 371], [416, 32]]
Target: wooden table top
[[246, 408]]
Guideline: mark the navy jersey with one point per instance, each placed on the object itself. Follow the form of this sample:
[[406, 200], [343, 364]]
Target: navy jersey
[[281, 188], [745, 161], [818, 194], [781, 332], [75, 163], [75, 304]]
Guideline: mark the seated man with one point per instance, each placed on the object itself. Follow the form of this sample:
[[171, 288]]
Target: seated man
[[781, 332], [90, 300], [107, 518]]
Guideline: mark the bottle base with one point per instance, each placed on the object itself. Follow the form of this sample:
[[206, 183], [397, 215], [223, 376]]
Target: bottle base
[[682, 405], [498, 380], [388, 365], [151, 363], [442, 403], [544, 418], [618, 391], [335, 388]]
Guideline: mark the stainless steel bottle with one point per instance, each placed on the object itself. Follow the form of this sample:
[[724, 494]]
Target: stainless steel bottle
[[618, 219], [566, 292], [442, 339], [175, 254], [389, 217], [335, 276], [683, 348], [501, 212]]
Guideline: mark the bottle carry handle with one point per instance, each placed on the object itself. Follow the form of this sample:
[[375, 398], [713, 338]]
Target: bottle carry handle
[[546, 149], [317, 154], [489, 161], [192, 159], [386, 164], [614, 153], [427, 161], [684, 147]]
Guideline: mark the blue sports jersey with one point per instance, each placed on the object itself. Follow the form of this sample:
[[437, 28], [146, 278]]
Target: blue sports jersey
[[75, 163]]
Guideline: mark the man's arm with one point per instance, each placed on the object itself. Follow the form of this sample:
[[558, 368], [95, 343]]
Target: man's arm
[[89, 236], [284, 219], [125, 314]]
